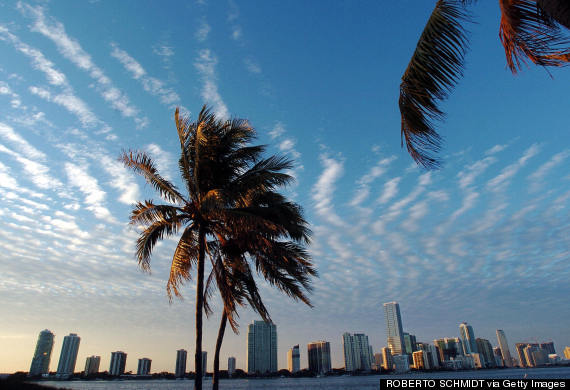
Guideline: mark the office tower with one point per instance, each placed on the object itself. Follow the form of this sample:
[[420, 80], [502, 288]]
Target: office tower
[[520, 351], [454, 344], [204, 362], [356, 352], [528, 354], [388, 363], [410, 343], [486, 350], [261, 347], [467, 338], [378, 360], [319, 354], [401, 364], [371, 355], [567, 353], [68, 356], [181, 356], [419, 363], [231, 365], [394, 328], [144, 366], [504, 345], [92, 365], [499, 357], [548, 347], [294, 359], [430, 356], [118, 362], [42, 355]]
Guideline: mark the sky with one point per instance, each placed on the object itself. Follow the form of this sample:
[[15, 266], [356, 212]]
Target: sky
[[485, 239]]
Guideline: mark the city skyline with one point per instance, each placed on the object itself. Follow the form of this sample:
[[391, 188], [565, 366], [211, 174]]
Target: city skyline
[[82, 81]]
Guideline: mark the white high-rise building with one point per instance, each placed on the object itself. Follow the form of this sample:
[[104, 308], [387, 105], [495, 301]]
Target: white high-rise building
[[468, 338], [118, 362], [231, 365], [294, 359], [261, 347], [42, 355], [144, 366], [92, 365], [504, 346], [394, 328], [357, 352], [68, 356], [181, 356]]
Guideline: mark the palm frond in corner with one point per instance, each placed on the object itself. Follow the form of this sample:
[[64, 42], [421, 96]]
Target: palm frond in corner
[[433, 71], [526, 35]]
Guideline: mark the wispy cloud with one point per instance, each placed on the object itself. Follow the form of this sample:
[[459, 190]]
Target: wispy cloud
[[70, 102], [94, 196], [364, 182], [20, 143], [72, 50], [38, 173], [323, 190], [252, 66], [501, 181], [152, 85], [203, 31], [206, 66], [538, 176]]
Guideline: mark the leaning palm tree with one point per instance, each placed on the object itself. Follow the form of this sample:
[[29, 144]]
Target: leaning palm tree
[[279, 257], [219, 171], [530, 30]]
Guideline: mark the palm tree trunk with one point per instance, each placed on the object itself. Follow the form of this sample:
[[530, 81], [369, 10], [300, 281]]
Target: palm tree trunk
[[221, 331], [199, 309]]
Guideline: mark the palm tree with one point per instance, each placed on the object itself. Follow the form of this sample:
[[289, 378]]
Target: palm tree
[[280, 258], [219, 171], [530, 30]]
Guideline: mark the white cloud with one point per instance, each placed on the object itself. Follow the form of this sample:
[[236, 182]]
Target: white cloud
[[364, 182], [203, 31], [36, 172], [88, 185], [277, 131], [72, 50], [206, 66], [68, 101], [390, 190], [150, 84], [501, 181], [538, 176], [20, 143], [252, 66], [323, 190]]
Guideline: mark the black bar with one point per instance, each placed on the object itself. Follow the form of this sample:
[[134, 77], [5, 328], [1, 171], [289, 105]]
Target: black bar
[[475, 384]]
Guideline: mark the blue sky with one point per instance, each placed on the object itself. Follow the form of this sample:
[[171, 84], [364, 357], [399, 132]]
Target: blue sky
[[483, 240]]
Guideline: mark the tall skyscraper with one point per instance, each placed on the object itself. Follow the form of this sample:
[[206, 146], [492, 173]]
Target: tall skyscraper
[[520, 351], [294, 359], [92, 365], [118, 362], [319, 354], [394, 328], [231, 365], [68, 356], [387, 361], [486, 350], [357, 354], [181, 356], [504, 345], [144, 366], [42, 355], [261, 347], [467, 338], [204, 362]]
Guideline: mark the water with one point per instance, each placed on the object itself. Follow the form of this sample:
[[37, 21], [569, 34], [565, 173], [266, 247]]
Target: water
[[328, 383]]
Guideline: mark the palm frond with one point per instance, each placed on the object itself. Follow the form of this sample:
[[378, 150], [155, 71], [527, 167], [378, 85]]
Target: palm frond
[[150, 236], [525, 36], [553, 11], [185, 256], [147, 213], [142, 164], [433, 71]]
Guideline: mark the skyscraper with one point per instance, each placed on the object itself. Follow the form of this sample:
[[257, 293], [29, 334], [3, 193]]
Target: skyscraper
[[68, 356], [388, 362], [261, 347], [294, 359], [42, 355], [486, 350], [467, 338], [92, 365], [504, 345], [231, 365], [118, 362], [204, 362], [357, 354], [548, 347], [181, 356], [394, 328], [520, 351], [319, 354], [144, 366]]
